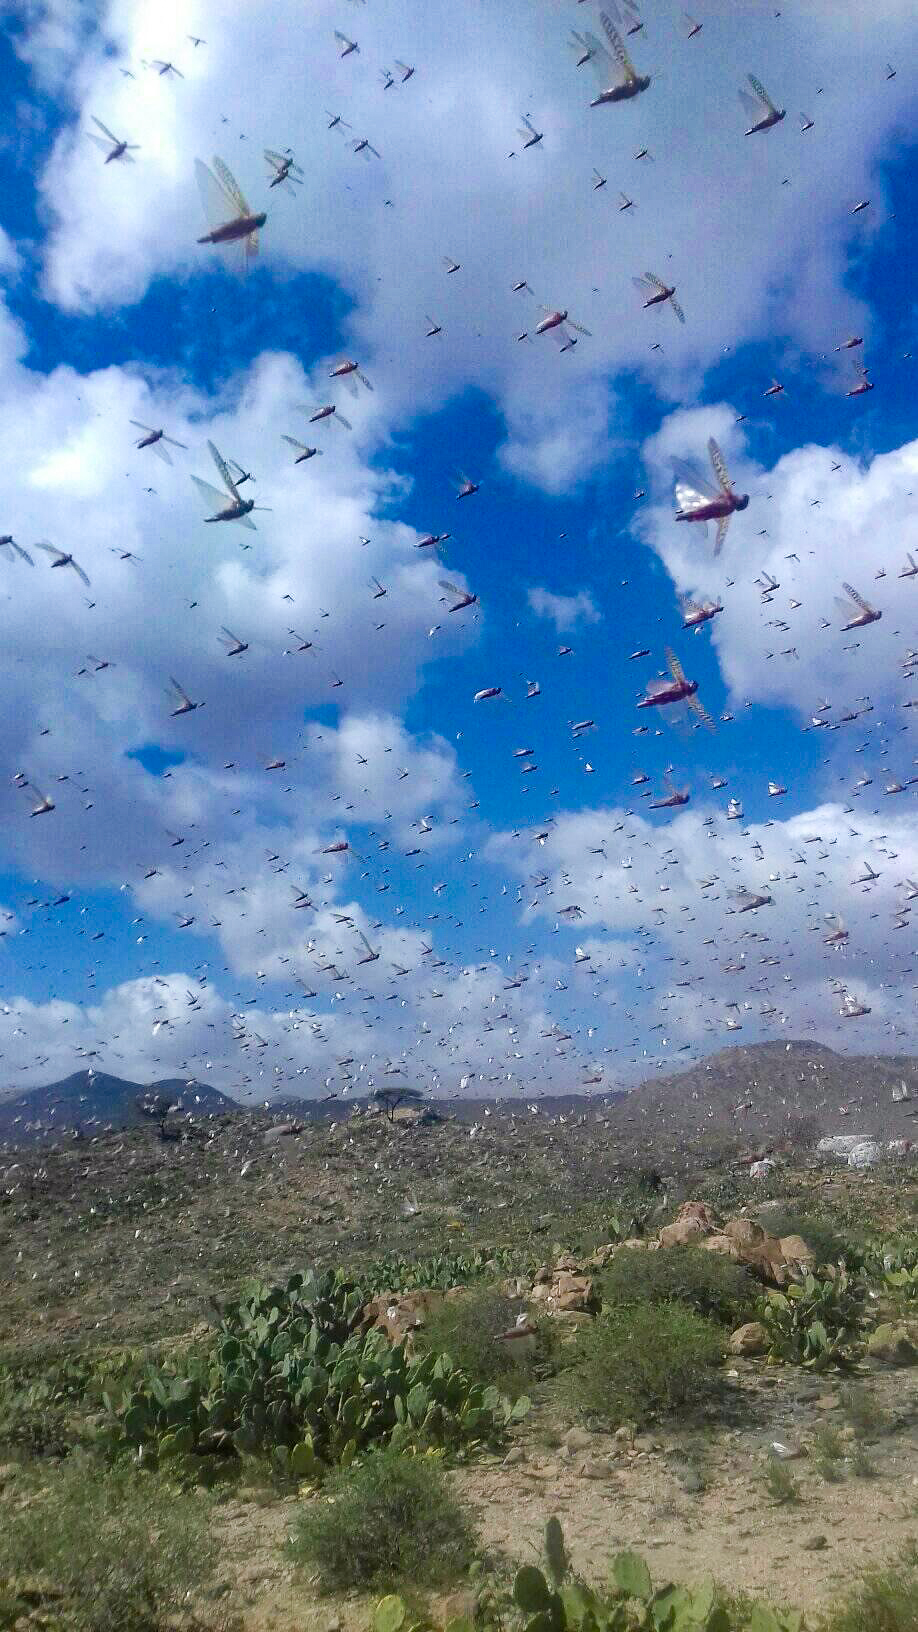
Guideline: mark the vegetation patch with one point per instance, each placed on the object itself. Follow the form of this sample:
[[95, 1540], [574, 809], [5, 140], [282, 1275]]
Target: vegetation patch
[[468, 1328], [705, 1282], [292, 1374], [101, 1549], [645, 1361], [815, 1322], [389, 1519]]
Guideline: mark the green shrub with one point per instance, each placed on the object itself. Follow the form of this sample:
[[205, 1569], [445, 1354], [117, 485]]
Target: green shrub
[[828, 1241], [391, 1518], [864, 1412], [465, 1328], [780, 1483], [705, 1282], [815, 1323], [884, 1601], [292, 1374], [110, 1549], [641, 1362]]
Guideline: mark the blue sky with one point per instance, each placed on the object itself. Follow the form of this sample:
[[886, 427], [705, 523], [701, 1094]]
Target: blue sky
[[112, 312]]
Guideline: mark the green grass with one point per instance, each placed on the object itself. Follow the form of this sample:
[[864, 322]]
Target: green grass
[[636, 1364], [780, 1484], [105, 1549], [389, 1520], [884, 1601], [712, 1286]]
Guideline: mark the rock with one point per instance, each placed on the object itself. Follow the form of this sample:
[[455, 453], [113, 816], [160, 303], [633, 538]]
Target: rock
[[784, 1451], [828, 1402], [280, 1130], [603, 1254], [624, 1435], [795, 1249], [866, 1155], [684, 1233], [398, 1314], [723, 1245], [593, 1469], [577, 1439], [752, 1338], [892, 1345], [745, 1232], [814, 1544], [699, 1210]]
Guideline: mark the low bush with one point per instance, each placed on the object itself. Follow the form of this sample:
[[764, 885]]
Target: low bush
[[389, 1519], [466, 1327], [712, 1286], [829, 1243], [640, 1362], [104, 1550]]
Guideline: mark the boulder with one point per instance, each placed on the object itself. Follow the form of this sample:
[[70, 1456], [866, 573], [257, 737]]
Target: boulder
[[745, 1232], [700, 1210], [892, 1345], [749, 1339], [280, 1130], [398, 1314], [685, 1232], [796, 1250], [867, 1154], [724, 1245]]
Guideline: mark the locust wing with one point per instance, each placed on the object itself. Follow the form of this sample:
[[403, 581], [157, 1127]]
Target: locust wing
[[105, 130], [761, 93], [231, 187], [858, 599], [699, 709], [675, 667], [219, 207], [692, 489], [615, 40], [224, 470], [720, 468], [212, 496], [753, 108], [722, 525]]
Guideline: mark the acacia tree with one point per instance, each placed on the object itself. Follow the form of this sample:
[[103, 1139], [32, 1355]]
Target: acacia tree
[[391, 1098]]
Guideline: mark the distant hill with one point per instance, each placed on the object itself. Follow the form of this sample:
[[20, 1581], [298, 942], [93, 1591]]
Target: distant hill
[[767, 1088], [760, 1091], [93, 1102]]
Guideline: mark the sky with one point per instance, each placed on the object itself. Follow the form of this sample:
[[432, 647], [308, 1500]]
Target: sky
[[344, 867]]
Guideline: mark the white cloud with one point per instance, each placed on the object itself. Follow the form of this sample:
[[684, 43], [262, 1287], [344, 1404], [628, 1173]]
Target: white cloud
[[823, 527], [444, 139], [564, 611], [662, 895]]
